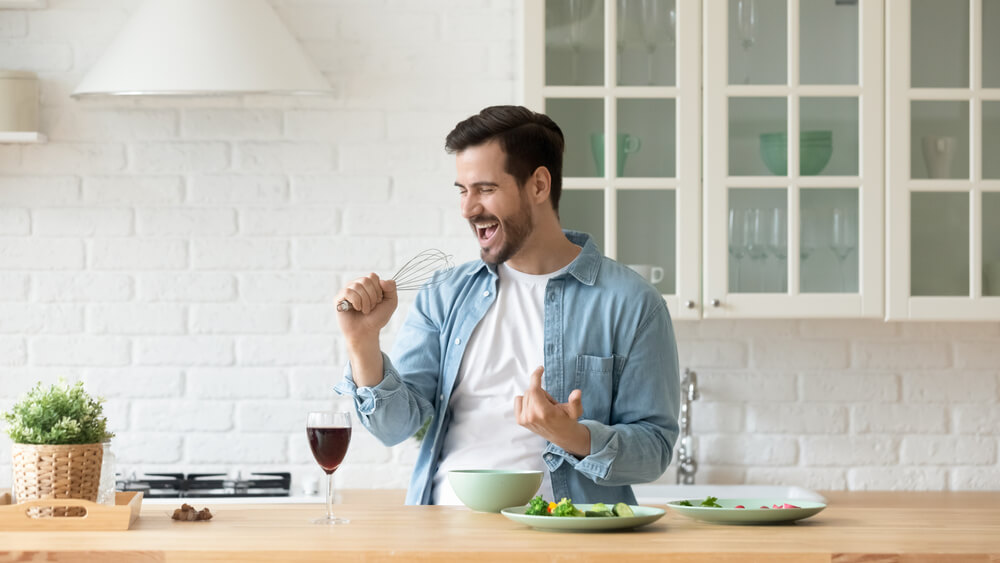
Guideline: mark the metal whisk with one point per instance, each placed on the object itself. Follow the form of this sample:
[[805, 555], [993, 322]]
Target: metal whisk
[[418, 272]]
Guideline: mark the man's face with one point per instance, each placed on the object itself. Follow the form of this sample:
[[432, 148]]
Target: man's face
[[497, 210]]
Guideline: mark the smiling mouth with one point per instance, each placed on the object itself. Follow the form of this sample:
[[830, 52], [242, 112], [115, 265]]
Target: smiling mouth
[[486, 229]]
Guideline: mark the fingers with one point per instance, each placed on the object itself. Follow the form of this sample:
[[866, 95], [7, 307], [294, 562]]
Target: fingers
[[365, 293], [574, 407], [388, 288], [536, 377]]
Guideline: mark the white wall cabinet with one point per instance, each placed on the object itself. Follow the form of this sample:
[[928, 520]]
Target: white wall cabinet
[[777, 211], [622, 78], [793, 210], [943, 159]]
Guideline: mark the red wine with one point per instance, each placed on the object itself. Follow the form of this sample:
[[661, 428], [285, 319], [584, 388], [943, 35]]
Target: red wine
[[329, 445]]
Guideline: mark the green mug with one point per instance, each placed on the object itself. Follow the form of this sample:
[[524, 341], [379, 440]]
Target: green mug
[[627, 144]]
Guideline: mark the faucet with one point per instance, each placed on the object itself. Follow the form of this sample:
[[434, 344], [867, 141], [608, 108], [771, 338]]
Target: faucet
[[686, 463]]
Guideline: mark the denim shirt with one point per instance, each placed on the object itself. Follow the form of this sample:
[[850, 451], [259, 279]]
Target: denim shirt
[[607, 333]]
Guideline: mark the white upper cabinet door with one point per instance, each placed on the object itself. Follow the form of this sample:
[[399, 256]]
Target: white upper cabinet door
[[622, 79], [943, 159], [793, 177]]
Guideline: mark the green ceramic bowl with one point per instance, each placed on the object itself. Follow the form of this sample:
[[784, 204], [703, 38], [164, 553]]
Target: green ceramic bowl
[[490, 490], [815, 149]]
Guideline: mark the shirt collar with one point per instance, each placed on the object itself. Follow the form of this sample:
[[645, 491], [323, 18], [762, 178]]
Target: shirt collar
[[584, 267]]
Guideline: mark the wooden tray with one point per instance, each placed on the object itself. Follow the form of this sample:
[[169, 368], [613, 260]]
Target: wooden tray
[[98, 516]]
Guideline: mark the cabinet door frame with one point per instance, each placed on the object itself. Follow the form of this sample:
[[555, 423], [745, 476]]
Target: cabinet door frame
[[901, 304], [686, 302], [868, 302]]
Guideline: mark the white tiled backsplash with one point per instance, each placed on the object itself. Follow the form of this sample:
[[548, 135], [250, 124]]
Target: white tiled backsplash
[[180, 256]]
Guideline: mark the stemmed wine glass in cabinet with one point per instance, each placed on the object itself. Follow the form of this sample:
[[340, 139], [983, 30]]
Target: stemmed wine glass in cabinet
[[738, 235], [657, 20], [329, 434], [843, 240], [777, 245], [746, 24], [757, 242]]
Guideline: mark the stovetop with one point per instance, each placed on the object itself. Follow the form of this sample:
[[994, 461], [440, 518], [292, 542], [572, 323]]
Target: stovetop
[[206, 485]]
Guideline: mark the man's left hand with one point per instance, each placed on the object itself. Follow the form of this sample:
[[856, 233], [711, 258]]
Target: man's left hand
[[539, 412]]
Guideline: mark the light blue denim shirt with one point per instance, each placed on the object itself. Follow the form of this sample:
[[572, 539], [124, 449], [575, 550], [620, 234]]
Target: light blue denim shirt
[[607, 333]]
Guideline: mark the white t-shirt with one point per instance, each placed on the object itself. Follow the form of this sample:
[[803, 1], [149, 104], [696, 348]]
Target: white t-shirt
[[503, 351]]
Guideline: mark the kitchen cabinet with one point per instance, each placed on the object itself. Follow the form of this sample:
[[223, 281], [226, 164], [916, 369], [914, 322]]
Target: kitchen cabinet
[[745, 181], [623, 81], [943, 159]]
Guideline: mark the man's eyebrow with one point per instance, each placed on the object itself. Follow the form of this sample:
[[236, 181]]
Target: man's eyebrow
[[479, 184]]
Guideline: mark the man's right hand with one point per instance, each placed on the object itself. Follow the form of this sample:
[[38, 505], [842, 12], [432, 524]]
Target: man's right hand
[[373, 301]]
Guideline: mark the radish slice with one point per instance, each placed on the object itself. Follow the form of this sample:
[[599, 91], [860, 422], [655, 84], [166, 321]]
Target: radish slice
[[739, 506]]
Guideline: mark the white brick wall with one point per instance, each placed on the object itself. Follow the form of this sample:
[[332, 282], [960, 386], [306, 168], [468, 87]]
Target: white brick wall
[[180, 257]]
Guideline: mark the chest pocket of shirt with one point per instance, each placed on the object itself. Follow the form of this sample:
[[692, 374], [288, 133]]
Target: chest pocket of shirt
[[596, 377]]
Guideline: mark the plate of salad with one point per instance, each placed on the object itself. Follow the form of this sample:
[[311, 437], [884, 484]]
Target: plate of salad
[[568, 517], [745, 510]]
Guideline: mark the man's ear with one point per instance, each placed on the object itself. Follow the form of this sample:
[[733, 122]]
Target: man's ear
[[540, 184]]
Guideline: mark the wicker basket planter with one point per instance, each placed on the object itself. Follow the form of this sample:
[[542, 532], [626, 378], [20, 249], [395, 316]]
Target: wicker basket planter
[[46, 472]]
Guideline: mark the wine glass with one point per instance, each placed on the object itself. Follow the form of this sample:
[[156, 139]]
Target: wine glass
[[626, 25], [657, 21], [329, 434], [746, 24], [809, 240], [843, 240], [757, 242], [777, 245], [577, 13], [737, 242]]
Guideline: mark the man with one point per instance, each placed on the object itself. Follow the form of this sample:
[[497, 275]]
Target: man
[[542, 355]]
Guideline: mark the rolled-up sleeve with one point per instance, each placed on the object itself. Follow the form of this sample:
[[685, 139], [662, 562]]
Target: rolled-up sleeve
[[397, 407]]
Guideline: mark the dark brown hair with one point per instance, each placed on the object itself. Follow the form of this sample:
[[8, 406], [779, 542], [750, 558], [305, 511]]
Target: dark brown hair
[[529, 140]]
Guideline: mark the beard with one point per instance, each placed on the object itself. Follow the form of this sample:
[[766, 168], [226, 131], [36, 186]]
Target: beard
[[515, 230]]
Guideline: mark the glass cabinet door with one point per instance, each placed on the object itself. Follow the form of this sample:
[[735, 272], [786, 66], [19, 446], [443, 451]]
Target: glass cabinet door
[[793, 168], [622, 80], [944, 174]]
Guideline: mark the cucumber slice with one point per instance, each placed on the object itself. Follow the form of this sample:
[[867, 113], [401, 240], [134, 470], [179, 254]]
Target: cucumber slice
[[622, 509]]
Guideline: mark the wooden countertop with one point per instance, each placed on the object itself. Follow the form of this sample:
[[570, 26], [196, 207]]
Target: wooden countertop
[[856, 526]]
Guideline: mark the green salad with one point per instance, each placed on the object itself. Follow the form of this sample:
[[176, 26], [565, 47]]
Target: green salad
[[709, 502], [540, 507]]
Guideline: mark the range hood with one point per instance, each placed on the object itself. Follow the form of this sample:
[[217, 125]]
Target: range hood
[[203, 48]]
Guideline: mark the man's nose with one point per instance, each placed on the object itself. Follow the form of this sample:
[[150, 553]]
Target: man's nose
[[470, 207]]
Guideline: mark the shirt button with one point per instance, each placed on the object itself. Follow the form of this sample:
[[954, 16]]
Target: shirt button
[[458, 341], [486, 294], [552, 297], [441, 398]]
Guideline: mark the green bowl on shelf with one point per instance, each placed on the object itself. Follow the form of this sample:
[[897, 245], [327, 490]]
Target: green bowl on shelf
[[815, 149]]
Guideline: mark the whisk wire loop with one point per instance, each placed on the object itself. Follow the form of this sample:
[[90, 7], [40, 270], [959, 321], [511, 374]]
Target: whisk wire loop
[[418, 272]]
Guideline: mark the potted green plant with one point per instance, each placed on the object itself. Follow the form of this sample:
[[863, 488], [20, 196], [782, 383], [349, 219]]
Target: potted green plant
[[58, 436]]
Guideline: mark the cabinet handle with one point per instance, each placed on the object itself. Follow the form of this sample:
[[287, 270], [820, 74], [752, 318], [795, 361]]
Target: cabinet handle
[[689, 304], [716, 302]]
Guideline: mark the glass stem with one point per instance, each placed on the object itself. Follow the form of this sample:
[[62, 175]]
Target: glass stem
[[329, 496]]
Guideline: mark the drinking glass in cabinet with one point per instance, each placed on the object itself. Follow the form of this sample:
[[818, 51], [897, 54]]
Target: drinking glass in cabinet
[[646, 42], [843, 239], [738, 235], [574, 34], [756, 220], [758, 41], [778, 246]]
